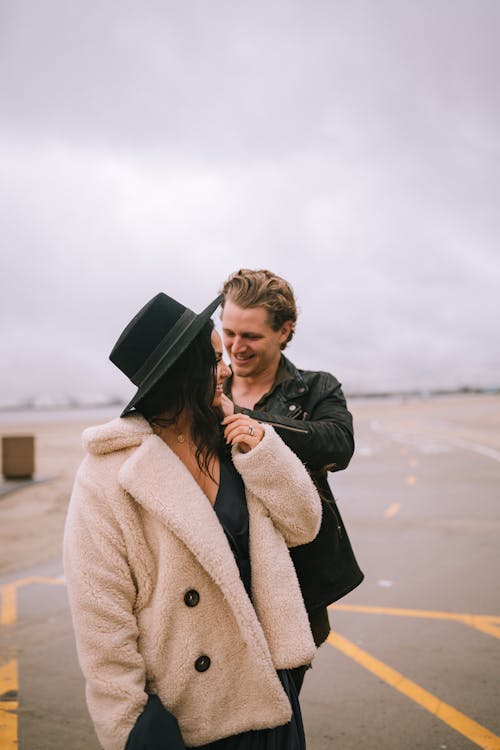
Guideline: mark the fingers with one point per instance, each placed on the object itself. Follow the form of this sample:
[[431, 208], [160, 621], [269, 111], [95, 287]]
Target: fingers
[[227, 405], [242, 431], [239, 417]]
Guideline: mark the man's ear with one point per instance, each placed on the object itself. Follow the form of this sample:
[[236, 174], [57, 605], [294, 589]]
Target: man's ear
[[285, 331]]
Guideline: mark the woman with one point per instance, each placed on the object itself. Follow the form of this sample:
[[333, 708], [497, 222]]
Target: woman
[[186, 608]]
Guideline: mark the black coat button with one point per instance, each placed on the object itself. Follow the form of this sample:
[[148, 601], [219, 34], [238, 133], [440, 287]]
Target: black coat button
[[202, 663], [191, 598]]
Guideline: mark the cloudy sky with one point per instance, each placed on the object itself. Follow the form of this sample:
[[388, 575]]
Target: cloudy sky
[[350, 145]]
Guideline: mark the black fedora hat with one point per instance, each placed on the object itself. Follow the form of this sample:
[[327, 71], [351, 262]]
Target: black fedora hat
[[154, 339]]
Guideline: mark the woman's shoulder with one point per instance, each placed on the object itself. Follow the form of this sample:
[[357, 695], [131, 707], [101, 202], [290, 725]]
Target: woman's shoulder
[[107, 446], [117, 435]]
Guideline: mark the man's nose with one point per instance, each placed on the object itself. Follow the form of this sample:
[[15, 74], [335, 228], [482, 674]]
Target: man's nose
[[237, 344]]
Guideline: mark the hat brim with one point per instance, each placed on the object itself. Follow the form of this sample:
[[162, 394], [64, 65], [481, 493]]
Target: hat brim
[[169, 357]]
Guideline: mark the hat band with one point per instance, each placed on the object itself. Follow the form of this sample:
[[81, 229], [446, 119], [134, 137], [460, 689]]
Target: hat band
[[163, 347]]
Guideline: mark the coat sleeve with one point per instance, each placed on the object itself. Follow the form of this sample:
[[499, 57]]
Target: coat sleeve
[[325, 439], [102, 595], [273, 474]]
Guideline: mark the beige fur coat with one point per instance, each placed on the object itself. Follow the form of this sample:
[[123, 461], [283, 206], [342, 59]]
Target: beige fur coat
[[140, 534]]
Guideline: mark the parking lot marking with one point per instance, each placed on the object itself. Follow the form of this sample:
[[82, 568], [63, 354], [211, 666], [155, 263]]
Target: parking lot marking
[[392, 509], [9, 684], [489, 624], [443, 711], [483, 450], [8, 611]]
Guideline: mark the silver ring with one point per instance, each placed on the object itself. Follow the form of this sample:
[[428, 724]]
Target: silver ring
[[250, 430]]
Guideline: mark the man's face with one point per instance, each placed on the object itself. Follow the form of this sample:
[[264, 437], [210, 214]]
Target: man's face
[[253, 346]]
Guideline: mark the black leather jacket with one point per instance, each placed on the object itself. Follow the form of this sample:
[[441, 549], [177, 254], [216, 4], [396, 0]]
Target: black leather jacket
[[309, 412]]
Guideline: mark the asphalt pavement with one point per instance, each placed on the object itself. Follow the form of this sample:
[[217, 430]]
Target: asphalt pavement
[[413, 659]]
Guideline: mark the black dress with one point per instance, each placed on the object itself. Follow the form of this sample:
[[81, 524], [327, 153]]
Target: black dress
[[231, 509]]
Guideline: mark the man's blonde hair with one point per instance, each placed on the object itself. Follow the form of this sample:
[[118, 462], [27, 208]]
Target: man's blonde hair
[[248, 288]]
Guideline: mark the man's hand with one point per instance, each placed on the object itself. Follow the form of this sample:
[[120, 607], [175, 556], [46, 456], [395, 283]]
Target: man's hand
[[227, 405]]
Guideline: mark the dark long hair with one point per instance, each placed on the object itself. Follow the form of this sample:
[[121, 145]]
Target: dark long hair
[[190, 385]]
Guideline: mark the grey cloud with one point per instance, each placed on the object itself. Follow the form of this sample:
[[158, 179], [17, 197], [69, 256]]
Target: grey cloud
[[352, 147]]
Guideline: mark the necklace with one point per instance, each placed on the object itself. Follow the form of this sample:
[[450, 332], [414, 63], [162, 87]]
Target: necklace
[[164, 424]]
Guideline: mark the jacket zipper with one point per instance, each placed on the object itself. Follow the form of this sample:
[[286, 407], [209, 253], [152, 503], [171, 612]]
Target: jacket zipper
[[284, 426]]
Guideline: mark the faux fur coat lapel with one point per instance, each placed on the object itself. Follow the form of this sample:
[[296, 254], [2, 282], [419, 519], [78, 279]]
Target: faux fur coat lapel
[[159, 481]]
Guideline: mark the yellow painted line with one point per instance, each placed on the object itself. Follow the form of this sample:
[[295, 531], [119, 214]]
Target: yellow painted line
[[443, 711], [392, 509], [489, 624], [8, 611], [20, 582], [9, 684], [9, 680]]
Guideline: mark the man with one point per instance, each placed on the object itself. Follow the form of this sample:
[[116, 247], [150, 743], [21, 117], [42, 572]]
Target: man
[[309, 412]]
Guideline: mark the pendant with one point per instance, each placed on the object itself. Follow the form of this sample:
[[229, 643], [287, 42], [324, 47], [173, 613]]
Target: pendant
[[181, 439]]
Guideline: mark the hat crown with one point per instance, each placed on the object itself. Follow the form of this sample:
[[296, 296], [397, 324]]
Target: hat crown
[[154, 340], [145, 332]]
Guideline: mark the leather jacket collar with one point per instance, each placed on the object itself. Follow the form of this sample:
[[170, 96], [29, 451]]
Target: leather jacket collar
[[292, 383], [294, 386]]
